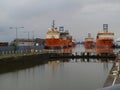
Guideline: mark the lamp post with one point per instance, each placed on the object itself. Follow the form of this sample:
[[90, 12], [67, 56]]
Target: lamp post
[[33, 35], [16, 43], [27, 33], [16, 28]]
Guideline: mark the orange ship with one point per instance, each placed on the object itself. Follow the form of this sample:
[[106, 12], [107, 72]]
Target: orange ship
[[89, 42], [105, 38], [58, 38], [100, 51]]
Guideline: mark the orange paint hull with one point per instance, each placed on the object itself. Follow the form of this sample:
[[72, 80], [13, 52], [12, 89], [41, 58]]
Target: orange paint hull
[[89, 44], [53, 42], [100, 51], [104, 46], [58, 43], [101, 43]]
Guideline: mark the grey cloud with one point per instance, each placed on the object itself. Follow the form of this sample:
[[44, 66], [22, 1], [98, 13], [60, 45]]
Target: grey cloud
[[77, 15], [37, 9]]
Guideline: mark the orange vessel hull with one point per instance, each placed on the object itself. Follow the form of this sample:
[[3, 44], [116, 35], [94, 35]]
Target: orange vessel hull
[[53, 42], [58, 38], [89, 44], [58, 43], [101, 43], [105, 41], [105, 38], [100, 51]]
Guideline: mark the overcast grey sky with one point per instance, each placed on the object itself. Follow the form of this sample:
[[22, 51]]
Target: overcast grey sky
[[78, 16]]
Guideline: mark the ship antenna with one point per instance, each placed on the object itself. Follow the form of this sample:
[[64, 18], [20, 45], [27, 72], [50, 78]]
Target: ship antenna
[[105, 27], [89, 35], [53, 25]]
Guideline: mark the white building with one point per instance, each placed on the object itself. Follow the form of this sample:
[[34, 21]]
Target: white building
[[24, 42]]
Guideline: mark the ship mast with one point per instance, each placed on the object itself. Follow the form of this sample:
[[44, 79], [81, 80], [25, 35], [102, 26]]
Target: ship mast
[[105, 27], [89, 35], [53, 25]]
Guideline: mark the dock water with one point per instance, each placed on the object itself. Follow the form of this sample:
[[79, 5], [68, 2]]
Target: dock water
[[29, 60], [44, 56]]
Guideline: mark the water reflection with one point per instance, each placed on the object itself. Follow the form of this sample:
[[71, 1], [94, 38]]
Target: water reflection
[[100, 50], [58, 75], [68, 74], [68, 50], [104, 50], [54, 64], [90, 50]]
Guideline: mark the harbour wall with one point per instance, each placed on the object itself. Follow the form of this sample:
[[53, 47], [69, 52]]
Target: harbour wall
[[21, 62], [14, 62]]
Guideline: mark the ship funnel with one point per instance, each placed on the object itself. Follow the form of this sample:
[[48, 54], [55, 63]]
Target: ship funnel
[[105, 27], [61, 28]]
